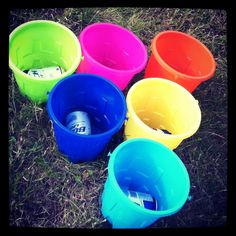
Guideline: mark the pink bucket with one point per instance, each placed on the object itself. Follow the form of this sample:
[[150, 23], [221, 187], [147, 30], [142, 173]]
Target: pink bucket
[[113, 52]]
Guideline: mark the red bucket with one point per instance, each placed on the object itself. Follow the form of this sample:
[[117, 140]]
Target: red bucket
[[181, 58]]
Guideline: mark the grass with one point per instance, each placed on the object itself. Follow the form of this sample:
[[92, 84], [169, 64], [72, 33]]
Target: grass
[[48, 191]]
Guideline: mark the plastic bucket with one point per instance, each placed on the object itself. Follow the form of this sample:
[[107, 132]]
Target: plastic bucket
[[161, 110], [181, 58], [112, 51], [39, 44], [146, 166], [105, 105]]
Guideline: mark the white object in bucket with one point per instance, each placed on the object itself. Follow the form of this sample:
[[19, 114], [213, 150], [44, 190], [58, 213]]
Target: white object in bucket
[[142, 199], [79, 122], [46, 73]]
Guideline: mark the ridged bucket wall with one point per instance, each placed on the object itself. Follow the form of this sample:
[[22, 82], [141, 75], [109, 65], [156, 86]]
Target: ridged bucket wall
[[112, 51], [180, 57], [161, 110], [146, 166], [39, 44], [95, 95]]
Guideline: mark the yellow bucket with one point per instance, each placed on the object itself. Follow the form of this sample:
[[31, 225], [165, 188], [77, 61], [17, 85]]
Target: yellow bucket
[[161, 110]]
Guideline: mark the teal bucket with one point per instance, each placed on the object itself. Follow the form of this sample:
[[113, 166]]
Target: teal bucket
[[146, 166]]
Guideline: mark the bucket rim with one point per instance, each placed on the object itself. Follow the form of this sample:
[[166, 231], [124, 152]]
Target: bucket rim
[[113, 181], [154, 132], [183, 76], [75, 64], [108, 24], [54, 119]]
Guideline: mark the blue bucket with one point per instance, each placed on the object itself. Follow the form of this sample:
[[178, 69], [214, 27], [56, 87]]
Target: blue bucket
[[101, 99], [143, 165]]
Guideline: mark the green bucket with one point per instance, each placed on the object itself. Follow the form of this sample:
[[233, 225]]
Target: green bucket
[[40, 44]]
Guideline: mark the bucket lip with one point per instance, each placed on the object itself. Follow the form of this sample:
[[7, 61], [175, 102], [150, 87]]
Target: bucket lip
[[55, 120], [108, 24], [111, 175], [207, 76], [47, 22], [154, 132]]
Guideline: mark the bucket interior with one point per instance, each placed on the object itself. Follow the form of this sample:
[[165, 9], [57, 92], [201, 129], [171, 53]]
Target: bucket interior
[[42, 45], [102, 102], [113, 47], [166, 107], [184, 54], [144, 167]]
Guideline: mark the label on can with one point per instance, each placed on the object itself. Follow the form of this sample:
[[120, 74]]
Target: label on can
[[78, 122], [143, 199], [46, 73]]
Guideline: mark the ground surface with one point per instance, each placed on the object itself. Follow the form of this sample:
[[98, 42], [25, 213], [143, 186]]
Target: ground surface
[[47, 191]]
